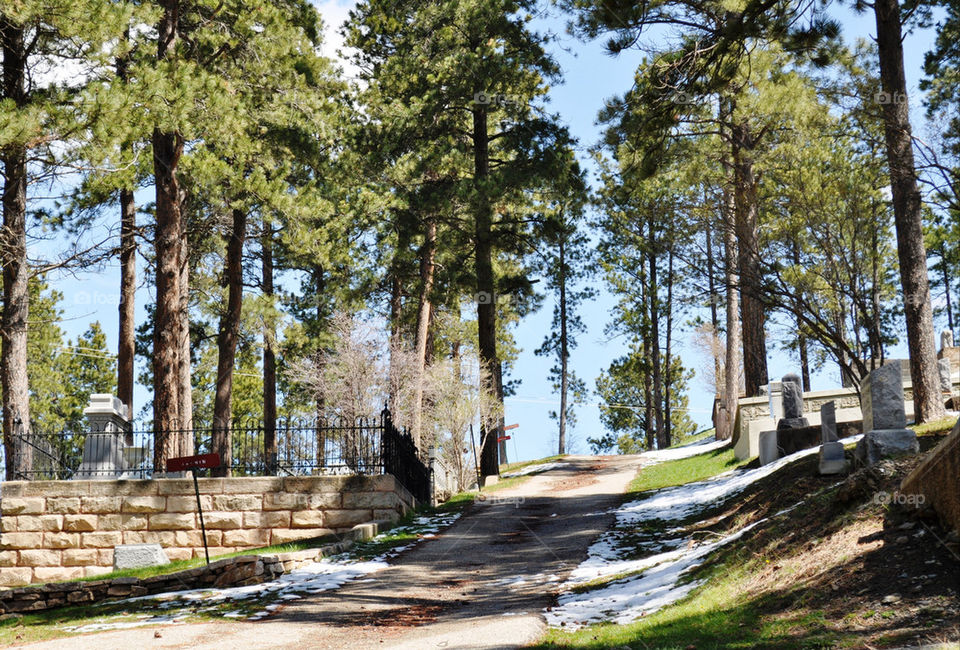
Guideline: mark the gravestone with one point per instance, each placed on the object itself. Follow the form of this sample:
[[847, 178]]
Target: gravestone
[[832, 459], [884, 419], [769, 450], [775, 399], [828, 422], [138, 556], [792, 405], [946, 384], [946, 339], [102, 457], [105, 443]]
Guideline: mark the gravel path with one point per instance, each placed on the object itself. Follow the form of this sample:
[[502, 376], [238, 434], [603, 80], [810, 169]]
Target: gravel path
[[482, 583]]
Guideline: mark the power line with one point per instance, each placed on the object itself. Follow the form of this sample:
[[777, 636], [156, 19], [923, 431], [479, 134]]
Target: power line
[[631, 407]]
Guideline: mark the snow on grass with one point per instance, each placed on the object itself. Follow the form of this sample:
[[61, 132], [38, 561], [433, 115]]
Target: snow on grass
[[653, 581], [627, 599], [533, 469], [682, 501], [694, 449], [313, 578]]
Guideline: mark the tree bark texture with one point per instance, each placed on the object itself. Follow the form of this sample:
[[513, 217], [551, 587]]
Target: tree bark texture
[[731, 364], [269, 357], [752, 311], [424, 309], [486, 291], [13, 248], [128, 286], [911, 251], [564, 349], [227, 343], [128, 290], [167, 151], [654, 305]]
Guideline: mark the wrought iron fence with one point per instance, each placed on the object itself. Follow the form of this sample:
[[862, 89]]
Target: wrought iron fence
[[294, 447]]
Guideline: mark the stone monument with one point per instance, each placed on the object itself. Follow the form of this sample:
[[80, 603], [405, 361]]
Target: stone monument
[[884, 419], [769, 449], [792, 405], [107, 445], [946, 339], [138, 556], [946, 384], [832, 460]]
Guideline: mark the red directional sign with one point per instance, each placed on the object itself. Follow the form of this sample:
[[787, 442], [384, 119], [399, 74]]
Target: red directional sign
[[503, 438], [203, 461]]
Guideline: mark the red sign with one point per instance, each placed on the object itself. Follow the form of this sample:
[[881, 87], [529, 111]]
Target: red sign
[[503, 438], [204, 461], [510, 426]]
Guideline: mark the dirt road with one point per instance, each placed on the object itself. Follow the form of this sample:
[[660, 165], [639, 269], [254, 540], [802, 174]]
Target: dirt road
[[482, 583]]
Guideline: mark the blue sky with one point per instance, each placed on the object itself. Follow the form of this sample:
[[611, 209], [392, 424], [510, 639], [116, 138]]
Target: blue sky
[[590, 77]]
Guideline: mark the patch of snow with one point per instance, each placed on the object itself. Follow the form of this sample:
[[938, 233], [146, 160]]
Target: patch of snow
[[120, 625], [533, 469], [315, 577], [694, 449], [656, 583], [630, 598], [682, 501]]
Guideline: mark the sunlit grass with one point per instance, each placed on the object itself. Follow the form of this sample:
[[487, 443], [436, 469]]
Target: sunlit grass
[[936, 428], [685, 470]]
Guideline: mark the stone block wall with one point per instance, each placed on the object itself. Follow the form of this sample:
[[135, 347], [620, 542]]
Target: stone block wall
[[937, 478], [61, 530]]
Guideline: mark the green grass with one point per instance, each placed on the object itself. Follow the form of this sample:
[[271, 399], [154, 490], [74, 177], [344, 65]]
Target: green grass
[[510, 467], [716, 616], [719, 614], [33, 627], [936, 428], [182, 565], [696, 437], [685, 470]]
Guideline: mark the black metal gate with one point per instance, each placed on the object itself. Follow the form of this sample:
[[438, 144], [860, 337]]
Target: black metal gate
[[401, 459]]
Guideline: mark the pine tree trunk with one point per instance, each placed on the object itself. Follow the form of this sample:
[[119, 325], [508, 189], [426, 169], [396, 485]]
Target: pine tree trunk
[[801, 339], [320, 292], [167, 150], [227, 343], [186, 375], [946, 285], [269, 357], [424, 309], [13, 247], [128, 290], [714, 317], [396, 316], [128, 287], [486, 291], [667, 361], [731, 364], [746, 208], [564, 348], [655, 360], [927, 401]]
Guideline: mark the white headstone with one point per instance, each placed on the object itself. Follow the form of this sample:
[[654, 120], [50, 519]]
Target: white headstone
[[137, 556]]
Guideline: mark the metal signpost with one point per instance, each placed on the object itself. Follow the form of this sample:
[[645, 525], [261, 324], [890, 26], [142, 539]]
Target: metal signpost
[[203, 461]]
